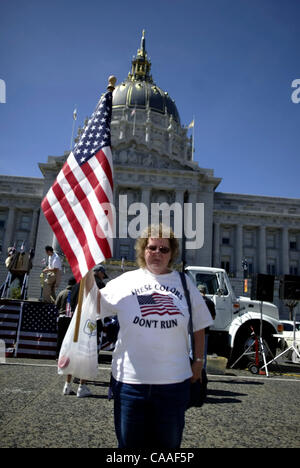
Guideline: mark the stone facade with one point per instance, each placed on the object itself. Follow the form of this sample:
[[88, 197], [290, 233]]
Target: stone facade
[[20, 201]]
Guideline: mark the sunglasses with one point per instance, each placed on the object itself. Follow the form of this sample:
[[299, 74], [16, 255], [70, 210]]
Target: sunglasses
[[161, 249]]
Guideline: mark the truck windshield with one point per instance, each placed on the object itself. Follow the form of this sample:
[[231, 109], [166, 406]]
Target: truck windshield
[[210, 281]]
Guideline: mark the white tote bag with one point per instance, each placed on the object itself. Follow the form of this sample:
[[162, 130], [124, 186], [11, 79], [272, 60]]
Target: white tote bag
[[80, 358]]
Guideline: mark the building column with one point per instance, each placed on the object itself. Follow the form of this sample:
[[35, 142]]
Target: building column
[[10, 229], [216, 245], [262, 262], [146, 200], [32, 235], [55, 245], [285, 261], [179, 198], [146, 197], [239, 250]]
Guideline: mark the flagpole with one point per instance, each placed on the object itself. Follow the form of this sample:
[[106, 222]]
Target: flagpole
[[73, 127], [193, 139], [134, 123], [79, 307], [134, 117]]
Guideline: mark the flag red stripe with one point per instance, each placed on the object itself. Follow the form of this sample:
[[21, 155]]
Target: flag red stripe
[[40, 354], [63, 241], [144, 314], [81, 196]]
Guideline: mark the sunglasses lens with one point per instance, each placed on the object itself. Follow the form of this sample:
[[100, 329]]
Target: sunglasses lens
[[154, 248]]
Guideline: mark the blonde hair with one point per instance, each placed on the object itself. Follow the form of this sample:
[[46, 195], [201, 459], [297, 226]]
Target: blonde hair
[[155, 232]]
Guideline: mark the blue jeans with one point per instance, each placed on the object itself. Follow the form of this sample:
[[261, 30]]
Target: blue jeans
[[150, 416]]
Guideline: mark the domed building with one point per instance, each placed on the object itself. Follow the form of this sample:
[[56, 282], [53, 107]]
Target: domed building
[[152, 153]]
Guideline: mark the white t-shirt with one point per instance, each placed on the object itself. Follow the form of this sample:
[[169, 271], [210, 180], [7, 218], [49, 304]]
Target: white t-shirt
[[54, 261], [153, 342]]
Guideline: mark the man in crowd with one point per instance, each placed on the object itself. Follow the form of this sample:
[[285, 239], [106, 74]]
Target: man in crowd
[[100, 275], [52, 275]]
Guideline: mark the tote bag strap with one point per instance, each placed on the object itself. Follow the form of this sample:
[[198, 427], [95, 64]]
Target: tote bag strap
[[188, 300]]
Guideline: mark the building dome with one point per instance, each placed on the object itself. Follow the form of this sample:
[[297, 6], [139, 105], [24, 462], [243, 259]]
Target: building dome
[[139, 91]]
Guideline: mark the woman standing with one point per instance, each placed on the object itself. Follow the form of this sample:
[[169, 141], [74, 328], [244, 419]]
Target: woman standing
[[151, 367]]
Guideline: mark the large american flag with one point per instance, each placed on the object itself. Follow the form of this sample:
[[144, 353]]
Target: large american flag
[[9, 321], [29, 329], [159, 304], [37, 333], [78, 206]]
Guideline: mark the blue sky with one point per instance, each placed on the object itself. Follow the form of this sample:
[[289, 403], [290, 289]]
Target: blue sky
[[229, 63]]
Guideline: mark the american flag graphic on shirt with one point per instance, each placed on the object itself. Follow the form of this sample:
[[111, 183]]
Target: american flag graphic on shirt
[[156, 303]]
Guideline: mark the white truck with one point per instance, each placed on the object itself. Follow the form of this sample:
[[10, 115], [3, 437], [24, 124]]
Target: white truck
[[238, 319]]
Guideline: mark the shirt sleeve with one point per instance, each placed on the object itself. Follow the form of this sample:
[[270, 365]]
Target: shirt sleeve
[[200, 314]]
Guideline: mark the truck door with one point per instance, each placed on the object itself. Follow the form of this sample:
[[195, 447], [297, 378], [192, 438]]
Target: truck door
[[218, 291], [223, 302]]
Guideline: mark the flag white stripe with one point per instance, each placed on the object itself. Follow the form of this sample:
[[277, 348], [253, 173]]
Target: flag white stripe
[[8, 332], [43, 352], [11, 316], [8, 324], [38, 334]]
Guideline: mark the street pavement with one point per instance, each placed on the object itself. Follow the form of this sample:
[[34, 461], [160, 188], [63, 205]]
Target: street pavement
[[242, 410]]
